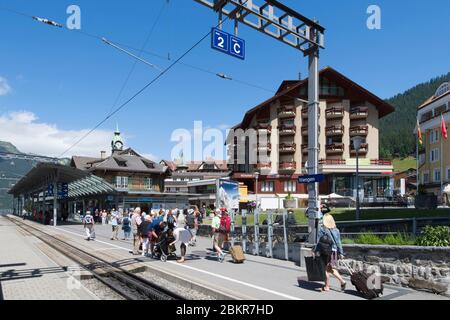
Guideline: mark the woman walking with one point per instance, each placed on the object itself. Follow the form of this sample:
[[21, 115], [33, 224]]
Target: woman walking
[[330, 250]]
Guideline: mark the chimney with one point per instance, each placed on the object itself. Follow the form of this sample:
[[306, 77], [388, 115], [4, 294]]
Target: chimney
[[102, 154]]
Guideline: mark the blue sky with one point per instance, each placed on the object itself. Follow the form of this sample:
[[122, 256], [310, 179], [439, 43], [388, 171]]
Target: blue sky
[[61, 82]]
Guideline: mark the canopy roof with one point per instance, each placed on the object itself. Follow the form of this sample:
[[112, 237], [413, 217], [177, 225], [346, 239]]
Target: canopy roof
[[44, 174]]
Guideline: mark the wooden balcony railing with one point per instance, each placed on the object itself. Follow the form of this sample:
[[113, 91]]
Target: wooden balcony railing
[[363, 149], [359, 112], [288, 147], [334, 112], [334, 130], [264, 126], [335, 148], [359, 131], [288, 165], [287, 111]]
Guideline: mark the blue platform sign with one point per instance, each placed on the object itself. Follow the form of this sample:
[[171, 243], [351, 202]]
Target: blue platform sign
[[227, 43], [311, 179]]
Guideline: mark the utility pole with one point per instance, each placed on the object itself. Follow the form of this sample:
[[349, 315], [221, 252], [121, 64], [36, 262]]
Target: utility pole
[[314, 213], [286, 25]]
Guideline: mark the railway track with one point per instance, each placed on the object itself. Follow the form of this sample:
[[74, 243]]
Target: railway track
[[126, 284]]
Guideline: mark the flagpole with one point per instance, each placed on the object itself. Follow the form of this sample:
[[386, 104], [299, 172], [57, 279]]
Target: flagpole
[[417, 164], [442, 157]]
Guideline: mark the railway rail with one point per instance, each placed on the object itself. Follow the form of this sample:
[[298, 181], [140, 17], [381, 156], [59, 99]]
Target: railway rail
[[125, 283]]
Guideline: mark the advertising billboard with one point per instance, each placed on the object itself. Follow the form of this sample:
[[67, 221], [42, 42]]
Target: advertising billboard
[[228, 194]]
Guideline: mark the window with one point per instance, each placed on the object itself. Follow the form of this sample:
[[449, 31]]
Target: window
[[437, 175], [148, 183], [290, 186], [122, 182], [448, 173], [434, 155], [426, 177], [267, 186], [434, 136]]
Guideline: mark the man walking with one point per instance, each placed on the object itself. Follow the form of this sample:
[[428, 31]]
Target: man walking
[[88, 222], [217, 236], [135, 223]]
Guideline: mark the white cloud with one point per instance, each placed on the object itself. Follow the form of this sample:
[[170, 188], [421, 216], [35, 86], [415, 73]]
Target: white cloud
[[4, 87], [31, 136]]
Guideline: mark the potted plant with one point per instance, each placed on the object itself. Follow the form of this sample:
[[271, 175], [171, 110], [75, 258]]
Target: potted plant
[[290, 202]]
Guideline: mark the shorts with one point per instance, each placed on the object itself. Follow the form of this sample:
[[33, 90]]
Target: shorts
[[219, 238]]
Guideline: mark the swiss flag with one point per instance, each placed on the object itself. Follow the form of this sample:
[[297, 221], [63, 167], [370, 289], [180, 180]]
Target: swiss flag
[[443, 128]]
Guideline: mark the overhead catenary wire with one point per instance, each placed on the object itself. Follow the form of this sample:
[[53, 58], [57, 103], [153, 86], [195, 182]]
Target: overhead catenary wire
[[154, 54], [162, 73]]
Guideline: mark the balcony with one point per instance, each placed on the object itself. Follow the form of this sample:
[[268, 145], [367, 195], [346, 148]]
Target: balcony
[[264, 166], [265, 147], [264, 127], [288, 148], [335, 148], [359, 131], [332, 162], [357, 113], [287, 112], [334, 131], [287, 130], [363, 149], [334, 113], [289, 166], [381, 162]]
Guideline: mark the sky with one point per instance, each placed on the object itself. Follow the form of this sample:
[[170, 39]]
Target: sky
[[56, 84]]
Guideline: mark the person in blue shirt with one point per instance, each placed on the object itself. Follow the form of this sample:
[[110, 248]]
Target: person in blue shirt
[[330, 237]]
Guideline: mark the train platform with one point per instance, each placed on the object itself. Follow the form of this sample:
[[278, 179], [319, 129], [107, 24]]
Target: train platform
[[28, 271], [259, 278]]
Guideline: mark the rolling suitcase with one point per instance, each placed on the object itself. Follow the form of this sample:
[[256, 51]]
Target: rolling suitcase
[[370, 286], [237, 254]]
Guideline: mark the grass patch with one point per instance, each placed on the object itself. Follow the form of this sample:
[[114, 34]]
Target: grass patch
[[373, 239], [401, 165], [349, 215]]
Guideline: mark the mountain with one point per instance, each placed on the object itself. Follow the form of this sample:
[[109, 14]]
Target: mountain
[[396, 130], [10, 171]]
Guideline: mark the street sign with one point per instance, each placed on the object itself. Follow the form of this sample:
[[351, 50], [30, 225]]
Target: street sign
[[227, 43], [311, 179]]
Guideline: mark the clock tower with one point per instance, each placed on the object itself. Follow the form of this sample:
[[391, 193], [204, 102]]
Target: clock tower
[[117, 141]]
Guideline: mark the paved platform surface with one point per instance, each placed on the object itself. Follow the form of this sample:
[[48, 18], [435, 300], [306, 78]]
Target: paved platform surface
[[258, 278], [27, 273]]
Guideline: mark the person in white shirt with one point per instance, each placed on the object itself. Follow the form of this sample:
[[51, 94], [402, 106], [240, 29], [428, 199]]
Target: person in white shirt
[[184, 236]]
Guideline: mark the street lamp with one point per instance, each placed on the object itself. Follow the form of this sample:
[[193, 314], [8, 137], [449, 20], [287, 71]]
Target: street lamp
[[357, 142], [256, 187]]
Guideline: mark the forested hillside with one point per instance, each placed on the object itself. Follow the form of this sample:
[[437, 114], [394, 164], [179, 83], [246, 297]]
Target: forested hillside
[[397, 129]]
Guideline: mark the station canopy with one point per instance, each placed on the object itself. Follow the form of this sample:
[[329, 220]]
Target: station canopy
[[80, 182]]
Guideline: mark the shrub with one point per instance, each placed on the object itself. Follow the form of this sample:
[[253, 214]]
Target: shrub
[[369, 238], [348, 241], [434, 237], [399, 240]]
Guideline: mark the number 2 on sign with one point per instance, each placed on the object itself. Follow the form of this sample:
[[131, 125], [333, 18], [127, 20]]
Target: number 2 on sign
[[221, 42]]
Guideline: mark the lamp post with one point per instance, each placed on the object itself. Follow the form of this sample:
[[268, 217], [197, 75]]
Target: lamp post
[[256, 187], [357, 142]]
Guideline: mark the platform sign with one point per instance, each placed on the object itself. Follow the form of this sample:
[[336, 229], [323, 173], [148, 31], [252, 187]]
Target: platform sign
[[311, 179], [227, 43]]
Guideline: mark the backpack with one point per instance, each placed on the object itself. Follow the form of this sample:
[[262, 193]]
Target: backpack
[[325, 246], [190, 221], [200, 219], [126, 221], [170, 222], [225, 225]]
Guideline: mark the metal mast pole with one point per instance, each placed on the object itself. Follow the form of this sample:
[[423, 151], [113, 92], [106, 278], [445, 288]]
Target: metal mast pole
[[313, 149]]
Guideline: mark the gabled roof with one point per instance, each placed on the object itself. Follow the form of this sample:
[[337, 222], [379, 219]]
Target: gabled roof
[[169, 164], [290, 89], [432, 99], [127, 160]]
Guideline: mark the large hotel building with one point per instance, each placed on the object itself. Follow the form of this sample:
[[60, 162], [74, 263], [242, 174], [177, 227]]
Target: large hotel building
[[346, 110], [434, 158]]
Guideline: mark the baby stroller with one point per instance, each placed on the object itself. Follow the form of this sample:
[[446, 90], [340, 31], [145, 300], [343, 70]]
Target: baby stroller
[[162, 249]]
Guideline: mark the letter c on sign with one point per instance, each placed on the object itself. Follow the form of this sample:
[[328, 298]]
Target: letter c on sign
[[237, 48]]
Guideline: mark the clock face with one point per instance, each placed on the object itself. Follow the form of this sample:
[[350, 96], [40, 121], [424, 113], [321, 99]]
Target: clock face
[[119, 145]]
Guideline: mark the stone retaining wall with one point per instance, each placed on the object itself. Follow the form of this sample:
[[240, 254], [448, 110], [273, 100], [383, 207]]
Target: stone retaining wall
[[416, 267]]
